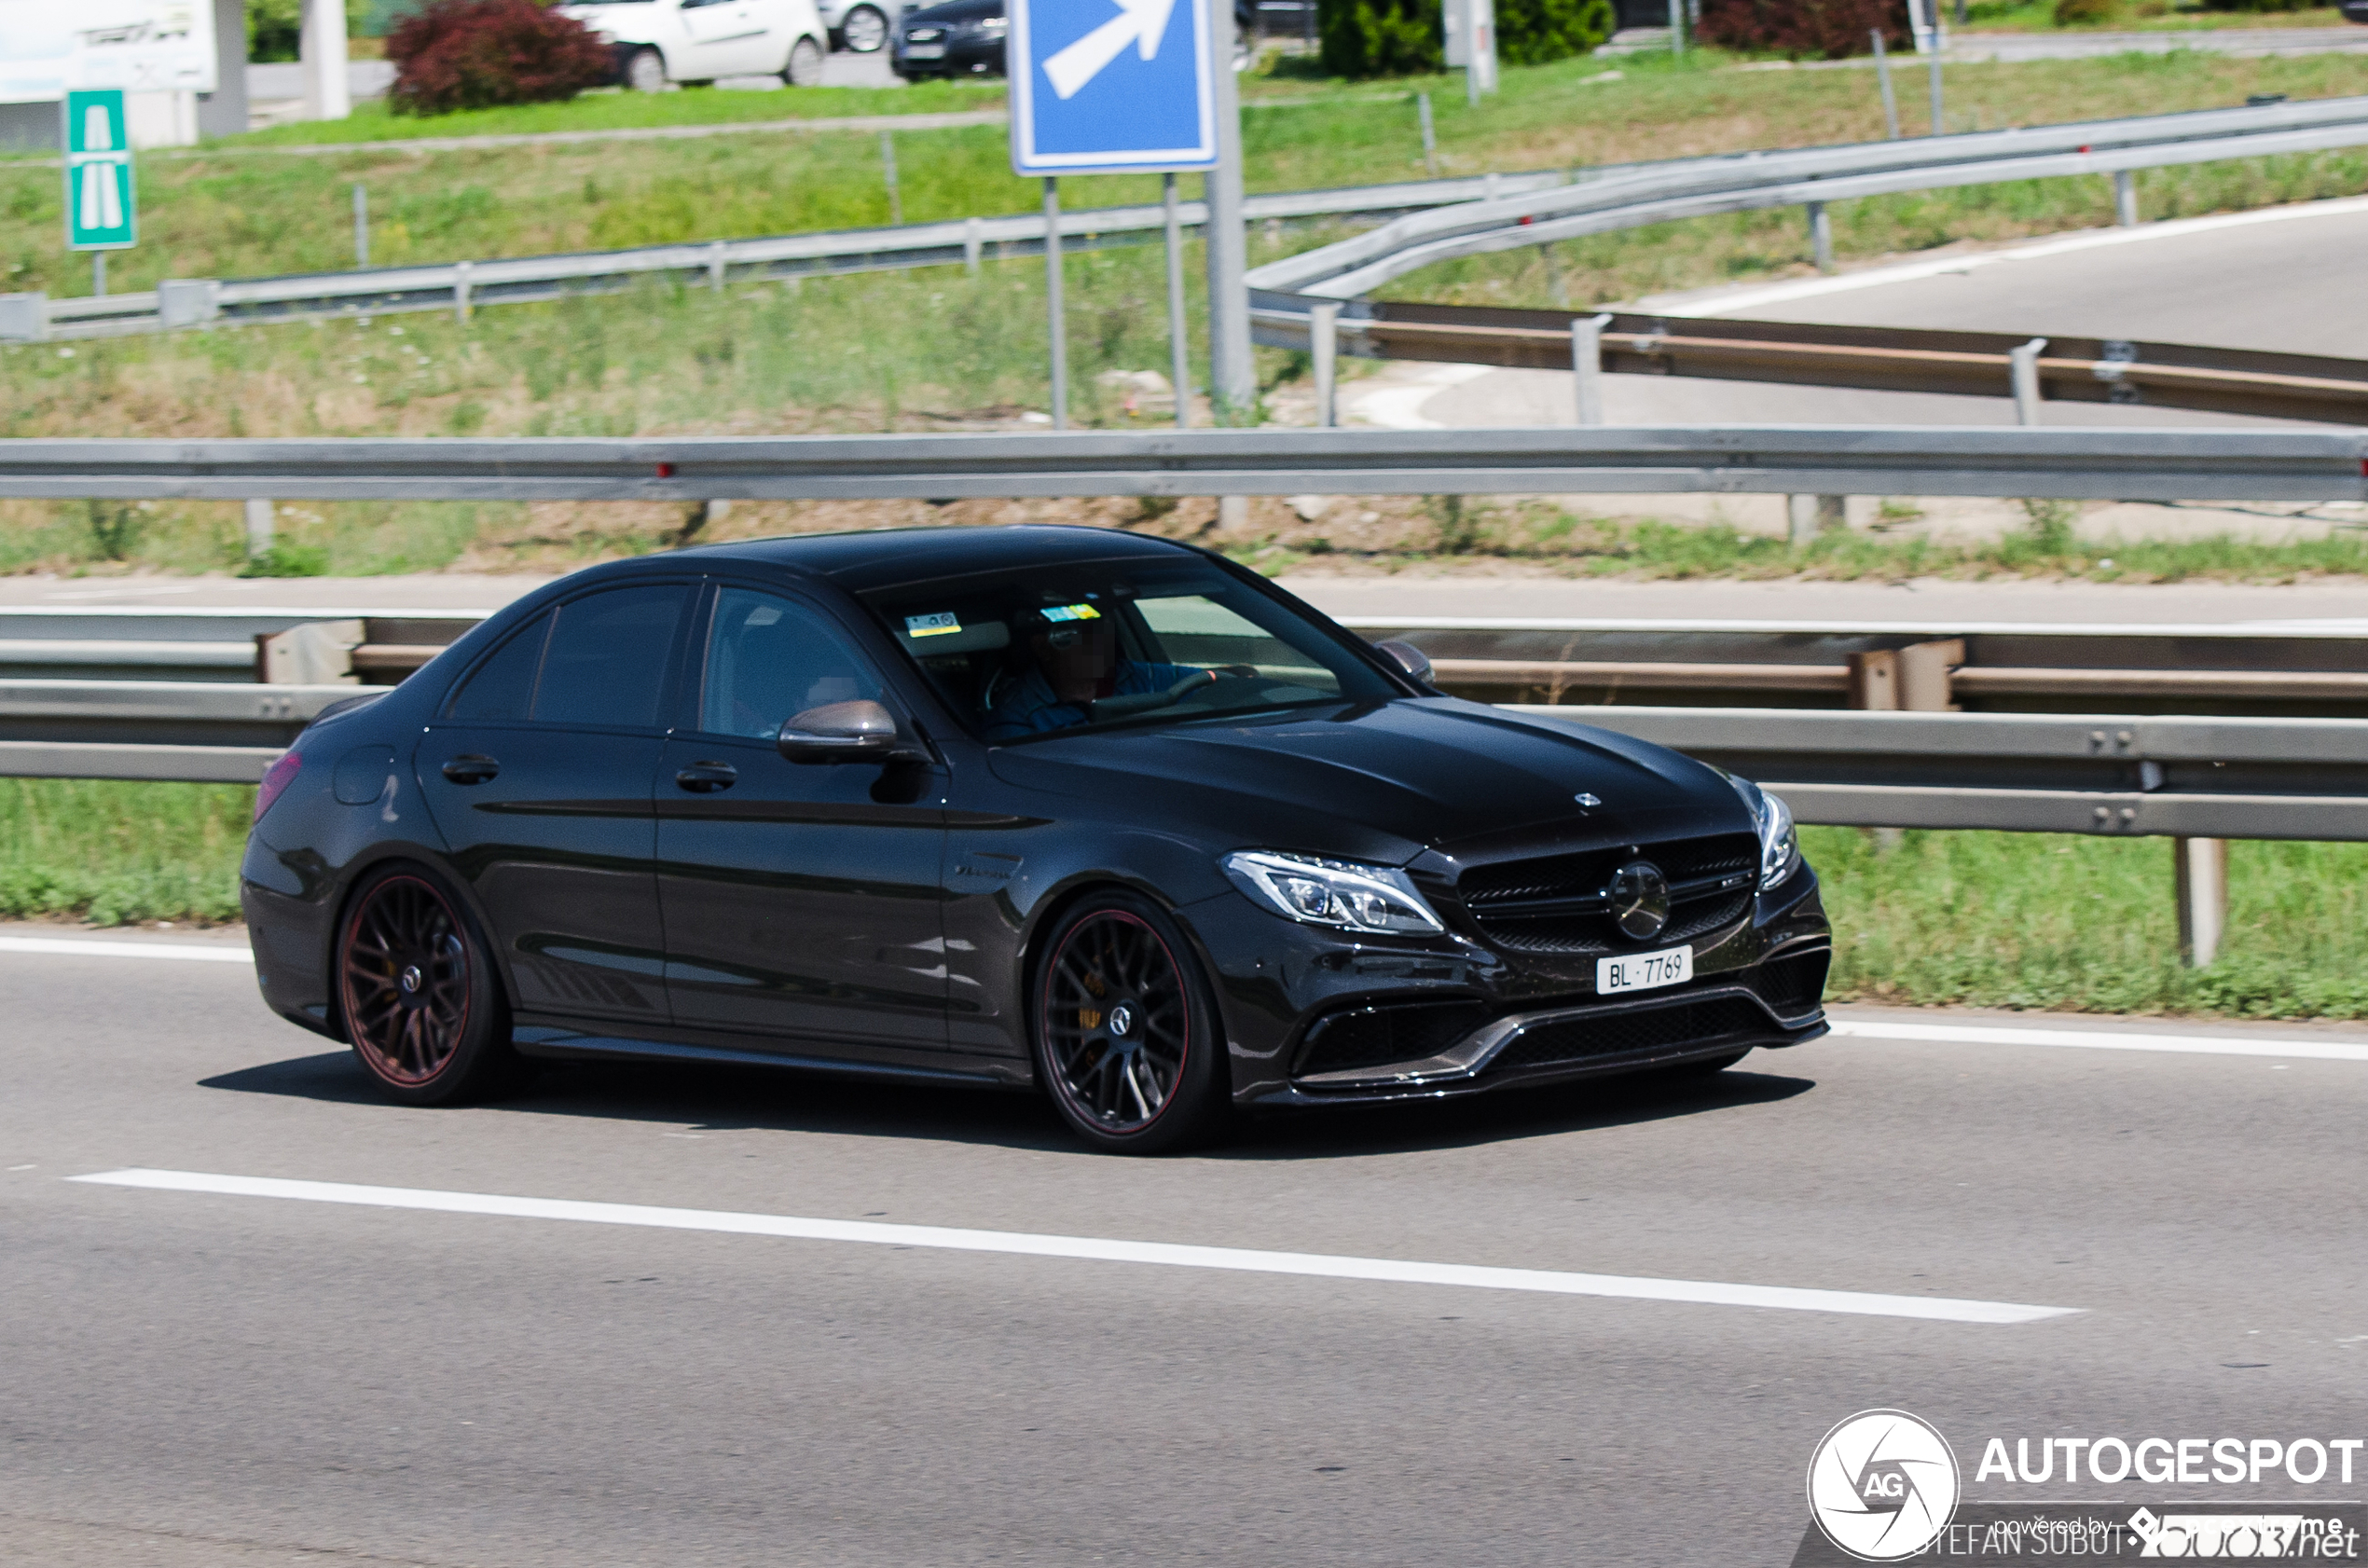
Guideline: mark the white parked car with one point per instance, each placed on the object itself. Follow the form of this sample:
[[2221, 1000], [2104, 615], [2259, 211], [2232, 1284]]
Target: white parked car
[[660, 41]]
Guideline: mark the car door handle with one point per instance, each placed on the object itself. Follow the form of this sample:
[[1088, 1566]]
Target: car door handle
[[705, 779], [471, 769]]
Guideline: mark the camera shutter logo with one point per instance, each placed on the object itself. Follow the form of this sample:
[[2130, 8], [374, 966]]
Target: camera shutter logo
[[1883, 1485]]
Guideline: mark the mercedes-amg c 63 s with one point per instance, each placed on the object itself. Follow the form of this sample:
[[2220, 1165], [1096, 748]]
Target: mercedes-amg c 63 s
[[1082, 810]]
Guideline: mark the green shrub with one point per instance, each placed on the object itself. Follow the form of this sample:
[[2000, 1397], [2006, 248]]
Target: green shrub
[[1537, 32], [2085, 13], [1405, 38], [274, 26]]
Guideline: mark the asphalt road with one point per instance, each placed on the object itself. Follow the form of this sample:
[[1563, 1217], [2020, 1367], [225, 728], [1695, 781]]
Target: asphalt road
[[2183, 282], [203, 1379]]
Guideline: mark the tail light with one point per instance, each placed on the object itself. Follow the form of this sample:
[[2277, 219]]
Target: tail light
[[275, 783]]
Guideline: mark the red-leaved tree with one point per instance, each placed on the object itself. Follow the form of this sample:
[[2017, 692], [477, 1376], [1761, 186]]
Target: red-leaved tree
[[474, 54], [1804, 29]]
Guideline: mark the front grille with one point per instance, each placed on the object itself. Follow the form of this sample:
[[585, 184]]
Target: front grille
[[1578, 1040], [1373, 1037], [1554, 903]]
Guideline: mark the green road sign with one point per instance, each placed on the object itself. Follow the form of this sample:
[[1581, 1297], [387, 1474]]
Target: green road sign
[[98, 207]]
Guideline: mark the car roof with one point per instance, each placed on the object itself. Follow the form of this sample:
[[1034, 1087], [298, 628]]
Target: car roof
[[889, 557]]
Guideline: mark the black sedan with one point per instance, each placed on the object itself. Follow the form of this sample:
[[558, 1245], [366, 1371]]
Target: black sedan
[[965, 38], [1063, 807]]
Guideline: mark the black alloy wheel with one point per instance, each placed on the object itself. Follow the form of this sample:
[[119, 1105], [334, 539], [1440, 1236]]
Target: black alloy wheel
[[421, 1007], [1126, 1039]]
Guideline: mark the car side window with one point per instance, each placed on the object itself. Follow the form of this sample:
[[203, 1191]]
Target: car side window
[[606, 661], [769, 660], [502, 687]]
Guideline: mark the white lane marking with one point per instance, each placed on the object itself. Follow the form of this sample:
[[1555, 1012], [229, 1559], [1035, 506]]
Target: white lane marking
[[1914, 271], [72, 947], [2103, 1040], [1321, 1265]]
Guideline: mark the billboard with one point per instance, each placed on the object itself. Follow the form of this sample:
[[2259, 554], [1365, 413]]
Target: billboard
[[48, 49]]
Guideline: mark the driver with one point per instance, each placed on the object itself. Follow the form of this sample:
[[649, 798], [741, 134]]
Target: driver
[[1076, 664]]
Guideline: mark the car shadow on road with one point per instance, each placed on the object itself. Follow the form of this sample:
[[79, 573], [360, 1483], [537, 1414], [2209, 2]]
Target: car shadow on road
[[719, 1098]]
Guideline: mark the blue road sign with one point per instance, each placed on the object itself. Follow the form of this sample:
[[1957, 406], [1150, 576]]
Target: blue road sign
[[1109, 87]]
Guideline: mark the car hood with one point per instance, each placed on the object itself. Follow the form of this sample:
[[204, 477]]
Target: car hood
[[1386, 780]]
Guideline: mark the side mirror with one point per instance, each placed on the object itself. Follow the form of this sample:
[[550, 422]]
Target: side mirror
[[1408, 658], [845, 732]]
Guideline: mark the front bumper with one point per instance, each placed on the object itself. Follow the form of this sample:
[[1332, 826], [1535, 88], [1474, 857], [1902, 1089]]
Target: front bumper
[[1316, 1017]]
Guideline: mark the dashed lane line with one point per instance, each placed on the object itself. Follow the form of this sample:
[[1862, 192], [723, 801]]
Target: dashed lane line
[[1091, 1248]]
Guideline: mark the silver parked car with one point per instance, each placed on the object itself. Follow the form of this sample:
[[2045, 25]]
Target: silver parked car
[[860, 26]]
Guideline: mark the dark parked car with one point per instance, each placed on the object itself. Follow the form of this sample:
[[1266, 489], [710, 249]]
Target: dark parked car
[[1049, 806], [2355, 10], [965, 38]]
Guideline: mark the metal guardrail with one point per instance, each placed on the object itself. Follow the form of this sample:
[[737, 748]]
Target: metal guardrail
[[2113, 774], [1703, 187], [2119, 775], [2107, 464], [462, 285], [1885, 359], [1451, 218]]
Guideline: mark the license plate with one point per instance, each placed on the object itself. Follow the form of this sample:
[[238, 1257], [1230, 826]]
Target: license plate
[[1644, 972], [925, 51]]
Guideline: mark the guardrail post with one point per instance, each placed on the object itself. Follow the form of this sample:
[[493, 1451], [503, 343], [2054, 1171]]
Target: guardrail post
[[187, 302], [1052, 305], [2022, 368], [2201, 867], [1924, 669], [888, 167], [972, 243], [24, 318], [1821, 235], [360, 226], [717, 256], [1323, 342], [260, 517], [1806, 516], [1587, 366], [1179, 357], [461, 271], [2125, 197], [1430, 134], [1940, 114], [1882, 77]]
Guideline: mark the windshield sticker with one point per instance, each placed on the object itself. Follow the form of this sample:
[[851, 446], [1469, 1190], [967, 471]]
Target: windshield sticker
[[1072, 613], [932, 625]]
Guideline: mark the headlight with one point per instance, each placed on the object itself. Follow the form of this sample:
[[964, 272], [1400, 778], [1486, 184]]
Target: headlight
[[1778, 849], [1320, 893], [995, 27]]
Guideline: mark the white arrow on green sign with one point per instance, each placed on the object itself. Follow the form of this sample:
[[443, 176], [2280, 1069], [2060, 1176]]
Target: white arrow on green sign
[[100, 211]]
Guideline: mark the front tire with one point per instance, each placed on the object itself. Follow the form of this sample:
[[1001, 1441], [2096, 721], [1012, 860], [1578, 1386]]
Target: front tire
[[804, 68], [1125, 1030], [864, 29], [423, 1006], [645, 72]]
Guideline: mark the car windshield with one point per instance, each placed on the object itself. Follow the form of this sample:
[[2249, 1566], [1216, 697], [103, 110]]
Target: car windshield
[[1037, 651]]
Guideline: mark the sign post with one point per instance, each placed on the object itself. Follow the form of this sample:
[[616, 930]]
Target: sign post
[[101, 215], [1109, 87]]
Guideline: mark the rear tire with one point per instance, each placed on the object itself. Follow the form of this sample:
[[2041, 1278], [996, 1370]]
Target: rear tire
[[645, 72], [865, 30], [1125, 1030], [804, 67], [423, 1006]]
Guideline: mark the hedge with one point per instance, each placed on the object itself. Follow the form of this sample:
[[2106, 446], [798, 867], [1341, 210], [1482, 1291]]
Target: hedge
[[1405, 38]]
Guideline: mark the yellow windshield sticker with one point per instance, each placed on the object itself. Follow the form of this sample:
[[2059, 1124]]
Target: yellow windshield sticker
[[932, 625], [1072, 613]]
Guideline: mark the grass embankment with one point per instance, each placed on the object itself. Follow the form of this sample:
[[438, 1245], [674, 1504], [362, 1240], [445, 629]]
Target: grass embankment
[[232, 214], [1983, 919], [938, 350]]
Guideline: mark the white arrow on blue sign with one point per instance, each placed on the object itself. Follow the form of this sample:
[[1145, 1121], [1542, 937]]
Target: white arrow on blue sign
[[1106, 87]]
